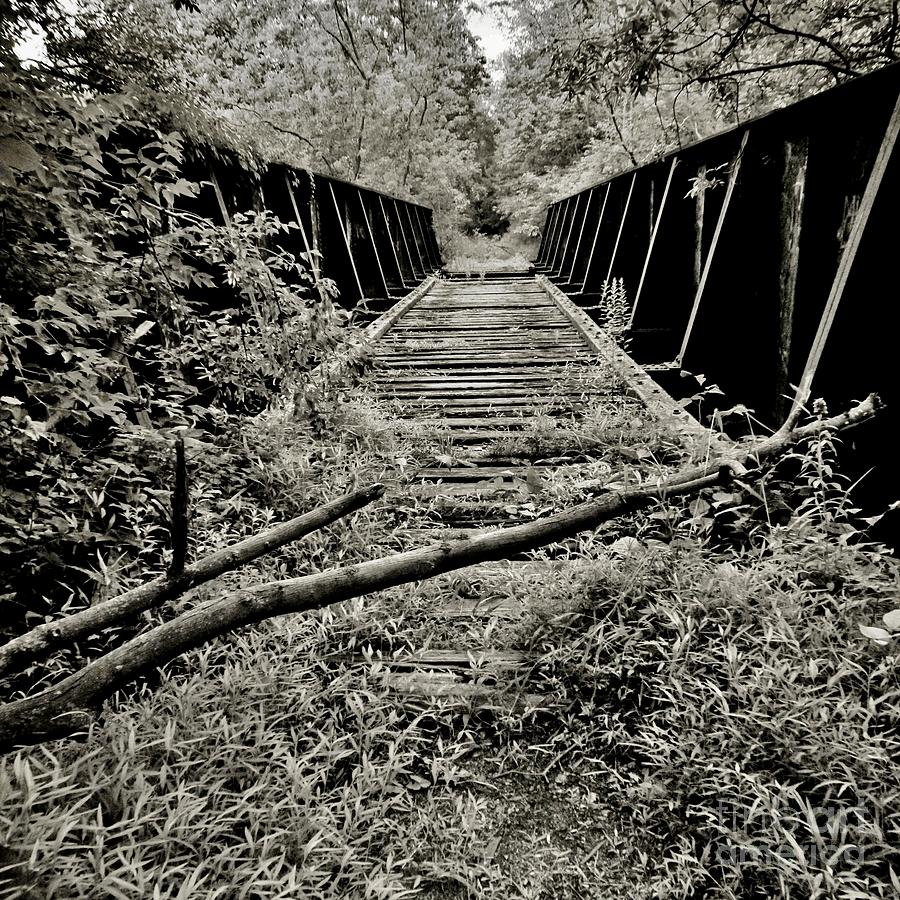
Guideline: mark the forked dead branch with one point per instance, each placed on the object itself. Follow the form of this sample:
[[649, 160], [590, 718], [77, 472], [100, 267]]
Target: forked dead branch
[[40, 642], [70, 705]]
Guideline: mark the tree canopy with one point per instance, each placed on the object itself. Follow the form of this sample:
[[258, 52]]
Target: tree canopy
[[592, 88], [397, 94]]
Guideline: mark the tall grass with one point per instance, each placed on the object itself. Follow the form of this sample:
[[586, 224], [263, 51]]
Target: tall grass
[[713, 723]]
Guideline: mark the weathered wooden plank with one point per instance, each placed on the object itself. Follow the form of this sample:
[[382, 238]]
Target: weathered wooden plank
[[425, 686]]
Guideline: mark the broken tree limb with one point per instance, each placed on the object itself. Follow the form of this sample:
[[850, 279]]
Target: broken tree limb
[[70, 705], [44, 639]]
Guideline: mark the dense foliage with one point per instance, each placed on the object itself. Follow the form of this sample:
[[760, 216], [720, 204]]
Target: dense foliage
[[720, 703], [388, 94], [593, 88], [712, 719], [125, 318]]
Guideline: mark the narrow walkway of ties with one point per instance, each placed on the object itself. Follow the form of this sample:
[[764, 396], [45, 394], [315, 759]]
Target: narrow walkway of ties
[[480, 362], [510, 407]]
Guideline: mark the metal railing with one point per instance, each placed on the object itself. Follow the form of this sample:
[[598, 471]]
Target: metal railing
[[375, 247], [754, 255]]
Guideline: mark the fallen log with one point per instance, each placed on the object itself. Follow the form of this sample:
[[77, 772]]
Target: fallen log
[[73, 703], [43, 640]]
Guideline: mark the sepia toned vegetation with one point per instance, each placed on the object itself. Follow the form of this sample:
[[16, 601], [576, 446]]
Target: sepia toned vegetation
[[709, 704]]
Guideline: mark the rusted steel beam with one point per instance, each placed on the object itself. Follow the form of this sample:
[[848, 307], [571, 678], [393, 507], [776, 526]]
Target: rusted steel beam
[[612, 259], [220, 199], [557, 238], [729, 191], [315, 223], [427, 217], [793, 195], [542, 247], [557, 228], [313, 257], [429, 253], [584, 218], [590, 262], [699, 223], [550, 235], [362, 205], [346, 238], [560, 244], [653, 233], [415, 244], [562, 261], [417, 274], [848, 256], [392, 242]]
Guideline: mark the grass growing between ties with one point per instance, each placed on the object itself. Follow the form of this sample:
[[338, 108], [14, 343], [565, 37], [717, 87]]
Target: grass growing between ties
[[474, 255], [700, 713]]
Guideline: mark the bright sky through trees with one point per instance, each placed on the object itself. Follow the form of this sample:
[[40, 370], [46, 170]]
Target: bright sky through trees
[[492, 34]]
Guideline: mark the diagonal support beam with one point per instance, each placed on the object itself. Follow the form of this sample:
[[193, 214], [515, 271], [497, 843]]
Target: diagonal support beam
[[698, 296], [845, 265], [659, 215], [587, 209], [346, 240], [612, 259], [590, 262], [362, 206]]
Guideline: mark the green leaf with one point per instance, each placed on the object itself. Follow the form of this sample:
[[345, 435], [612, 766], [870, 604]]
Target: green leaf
[[142, 329], [879, 635], [19, 155]]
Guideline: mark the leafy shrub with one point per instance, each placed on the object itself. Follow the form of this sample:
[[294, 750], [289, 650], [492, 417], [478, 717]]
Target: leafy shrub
[[266, 773], [124, 318], [614, 310]]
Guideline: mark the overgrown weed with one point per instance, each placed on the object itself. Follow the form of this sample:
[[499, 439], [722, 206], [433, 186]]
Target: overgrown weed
[[725, 699], [702, 668]]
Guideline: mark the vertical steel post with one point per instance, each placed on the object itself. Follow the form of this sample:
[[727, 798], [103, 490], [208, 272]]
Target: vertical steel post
[[346, 240], [425, 246], [543, 242], [793, 197], [562, 228], [387, 290], [412, 231], [387, 226], [546, 237], [409, 256], [430, 236], [699, 223], [554, 231], [562, 261]]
